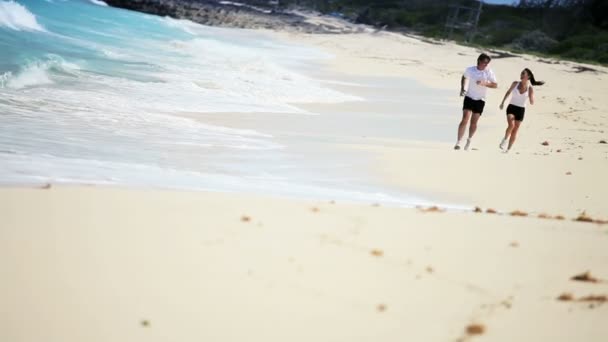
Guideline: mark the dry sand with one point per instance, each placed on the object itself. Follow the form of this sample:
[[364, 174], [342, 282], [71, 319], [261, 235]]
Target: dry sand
[[95, 264], [101, 264]]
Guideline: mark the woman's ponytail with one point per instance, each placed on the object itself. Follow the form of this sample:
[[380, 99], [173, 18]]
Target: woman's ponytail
[[533, 81]]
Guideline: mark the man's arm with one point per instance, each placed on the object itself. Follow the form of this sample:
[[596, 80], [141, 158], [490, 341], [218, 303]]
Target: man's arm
[[487, 84], [491, 84], [463, 81]]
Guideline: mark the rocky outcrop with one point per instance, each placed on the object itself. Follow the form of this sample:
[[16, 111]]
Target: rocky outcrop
[[229, 14]]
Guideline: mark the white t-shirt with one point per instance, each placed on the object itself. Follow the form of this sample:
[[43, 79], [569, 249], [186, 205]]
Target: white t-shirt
[[518, 99], [475, 91]]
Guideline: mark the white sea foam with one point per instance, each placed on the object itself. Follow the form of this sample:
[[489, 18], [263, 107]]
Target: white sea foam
[[17, 17], [99, 2], [32, 76], [4, 78], [252, 76], [37, 73], [182, 24]]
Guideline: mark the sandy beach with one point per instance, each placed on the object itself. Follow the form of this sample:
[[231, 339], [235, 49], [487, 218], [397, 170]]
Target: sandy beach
[[570, 115], [89, 263]]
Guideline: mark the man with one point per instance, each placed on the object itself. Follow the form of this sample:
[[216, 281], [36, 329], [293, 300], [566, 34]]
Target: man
[[480, 78]]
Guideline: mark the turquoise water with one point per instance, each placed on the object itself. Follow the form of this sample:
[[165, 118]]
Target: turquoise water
[[98, 95], [91, 94]]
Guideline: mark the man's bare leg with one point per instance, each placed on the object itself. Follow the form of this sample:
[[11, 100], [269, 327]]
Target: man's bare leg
[[472, 128], [466, 115]]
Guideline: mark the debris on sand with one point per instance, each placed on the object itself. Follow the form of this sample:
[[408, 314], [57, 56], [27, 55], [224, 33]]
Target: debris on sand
[[583, 217], [491, 211], [549, 217], [567, 297], [433, 209], [377, 252], [594, 298], [245, 218], [475, 329], [585, 277], [518, 213], [545, 143]]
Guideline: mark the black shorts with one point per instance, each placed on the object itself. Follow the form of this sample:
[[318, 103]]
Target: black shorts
[[476, 106], [517, 111]]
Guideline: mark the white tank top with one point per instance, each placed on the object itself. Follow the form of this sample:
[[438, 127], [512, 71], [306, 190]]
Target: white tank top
[[517, 98]]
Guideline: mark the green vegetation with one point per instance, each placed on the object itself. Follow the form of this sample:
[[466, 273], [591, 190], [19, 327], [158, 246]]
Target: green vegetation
[[568, 29]]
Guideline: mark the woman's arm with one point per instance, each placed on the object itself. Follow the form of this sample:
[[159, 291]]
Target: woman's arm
[[531, 95], [502, 104]]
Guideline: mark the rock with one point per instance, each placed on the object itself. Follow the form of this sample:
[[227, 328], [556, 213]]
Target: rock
[[239, 14]]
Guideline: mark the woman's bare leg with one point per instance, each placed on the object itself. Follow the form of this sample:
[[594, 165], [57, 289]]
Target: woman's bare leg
[[514, 133], [510, 124]]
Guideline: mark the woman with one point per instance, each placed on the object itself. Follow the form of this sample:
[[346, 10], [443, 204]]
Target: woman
[[520, 92]]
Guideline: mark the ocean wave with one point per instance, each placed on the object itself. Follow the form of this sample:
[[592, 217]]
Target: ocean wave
[[254, 76], [4, 78], [38, 73], [17, 17]]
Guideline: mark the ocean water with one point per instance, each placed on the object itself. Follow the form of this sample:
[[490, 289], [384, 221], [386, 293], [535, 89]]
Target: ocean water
[[91, 94]]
